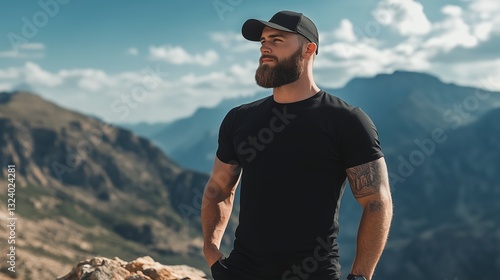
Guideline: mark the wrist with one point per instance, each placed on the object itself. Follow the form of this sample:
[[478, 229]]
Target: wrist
[[208, 247], [212, 254]]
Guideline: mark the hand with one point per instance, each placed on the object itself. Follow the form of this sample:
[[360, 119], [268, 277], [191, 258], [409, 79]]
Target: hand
[[212, 254]]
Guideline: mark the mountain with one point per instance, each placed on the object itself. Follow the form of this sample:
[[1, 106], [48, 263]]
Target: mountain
[[446, 224], [406, 105], [85, 188]]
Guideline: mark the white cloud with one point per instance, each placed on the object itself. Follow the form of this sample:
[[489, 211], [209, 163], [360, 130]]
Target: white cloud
[[25, 51], [177, 55], [485, 9], [405, 16], [146, 95], [484, 16], [36, 76], [345, 32], [483, 30], [133, 51], [452, 32]]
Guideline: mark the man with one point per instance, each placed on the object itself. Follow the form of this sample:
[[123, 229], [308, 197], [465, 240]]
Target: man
[[294, 151]]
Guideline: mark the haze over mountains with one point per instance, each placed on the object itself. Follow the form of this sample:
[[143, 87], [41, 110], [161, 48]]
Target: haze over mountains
[[87, 188], [441, 142]]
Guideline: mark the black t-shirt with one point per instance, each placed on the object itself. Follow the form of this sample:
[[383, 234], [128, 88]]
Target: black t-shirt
[[294, 158]]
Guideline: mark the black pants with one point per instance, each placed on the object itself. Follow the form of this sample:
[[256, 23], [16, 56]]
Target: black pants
[[220, 271]]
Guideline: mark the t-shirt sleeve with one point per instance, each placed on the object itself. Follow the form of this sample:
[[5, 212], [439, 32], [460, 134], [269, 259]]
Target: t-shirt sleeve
[[360, 143], [225, 150]]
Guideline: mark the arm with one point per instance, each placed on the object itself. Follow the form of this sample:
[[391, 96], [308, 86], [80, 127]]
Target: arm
[[216, 207], [370, 186]]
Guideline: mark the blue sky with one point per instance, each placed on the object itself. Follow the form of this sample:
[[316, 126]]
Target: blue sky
[[132, 61]]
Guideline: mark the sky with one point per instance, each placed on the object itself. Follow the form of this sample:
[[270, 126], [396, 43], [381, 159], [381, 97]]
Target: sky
[[157, 61]]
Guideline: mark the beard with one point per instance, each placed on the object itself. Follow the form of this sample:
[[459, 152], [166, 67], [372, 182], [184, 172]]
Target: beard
[[284, 72]]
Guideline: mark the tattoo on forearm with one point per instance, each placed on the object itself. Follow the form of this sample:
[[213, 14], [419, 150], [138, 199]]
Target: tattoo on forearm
[[375, 206], [365, 179]]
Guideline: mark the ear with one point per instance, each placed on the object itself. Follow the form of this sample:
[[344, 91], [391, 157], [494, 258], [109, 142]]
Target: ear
[[310, 49]]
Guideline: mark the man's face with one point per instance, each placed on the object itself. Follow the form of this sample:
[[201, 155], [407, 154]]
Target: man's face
[[274, 71]]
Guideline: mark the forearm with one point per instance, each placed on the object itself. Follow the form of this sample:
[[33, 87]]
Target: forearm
[[372, 236], [215, 213]]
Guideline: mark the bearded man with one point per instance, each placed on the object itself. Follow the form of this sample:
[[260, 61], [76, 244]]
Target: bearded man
[[294, 151]]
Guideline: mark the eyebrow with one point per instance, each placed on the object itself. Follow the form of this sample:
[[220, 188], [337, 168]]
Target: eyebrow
[[274, 36]]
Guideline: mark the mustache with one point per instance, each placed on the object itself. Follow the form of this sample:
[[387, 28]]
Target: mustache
[[266, 56]]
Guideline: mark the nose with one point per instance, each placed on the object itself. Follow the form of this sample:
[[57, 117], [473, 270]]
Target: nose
[[264, 49]]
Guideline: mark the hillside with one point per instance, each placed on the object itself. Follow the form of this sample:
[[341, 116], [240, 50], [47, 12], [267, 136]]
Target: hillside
[[85, 188]]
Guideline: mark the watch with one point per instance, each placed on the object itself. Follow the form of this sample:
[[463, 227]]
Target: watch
[[355, 277]]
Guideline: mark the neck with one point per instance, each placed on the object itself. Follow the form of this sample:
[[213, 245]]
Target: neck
[[301, 89]]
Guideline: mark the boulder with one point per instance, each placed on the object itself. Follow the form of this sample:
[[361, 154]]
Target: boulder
[[144, 268]]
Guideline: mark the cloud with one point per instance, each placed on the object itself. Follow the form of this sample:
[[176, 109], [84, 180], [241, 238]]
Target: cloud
[[452, 32], [36, 76], [485, 9], [177, 55], [345, 32], [151, 94], [405, 16], [26, 51], [133, 51]]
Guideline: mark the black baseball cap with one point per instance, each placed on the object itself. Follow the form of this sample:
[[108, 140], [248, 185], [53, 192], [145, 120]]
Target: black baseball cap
[[285, 21]]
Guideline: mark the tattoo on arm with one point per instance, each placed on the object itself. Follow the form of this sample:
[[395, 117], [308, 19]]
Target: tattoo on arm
[[365, 179]]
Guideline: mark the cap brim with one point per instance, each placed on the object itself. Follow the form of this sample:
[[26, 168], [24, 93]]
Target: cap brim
[[252, 29]]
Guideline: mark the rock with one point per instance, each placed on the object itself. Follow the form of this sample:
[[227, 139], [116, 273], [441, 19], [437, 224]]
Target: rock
[[144, 268]]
